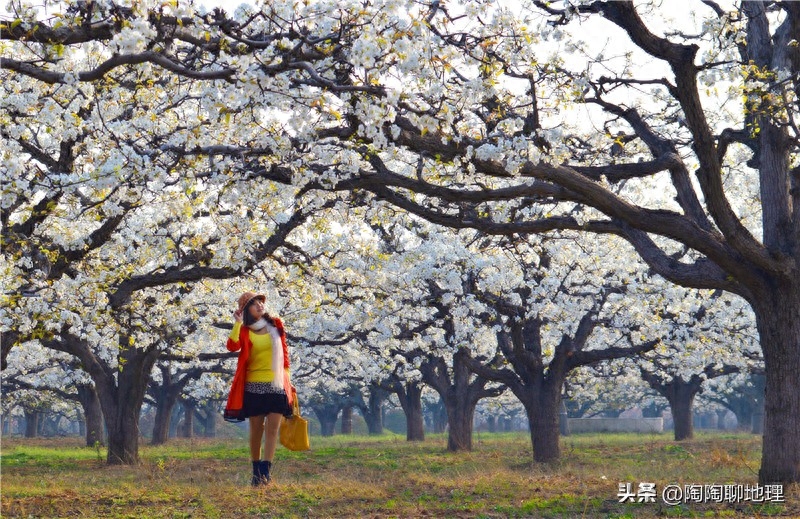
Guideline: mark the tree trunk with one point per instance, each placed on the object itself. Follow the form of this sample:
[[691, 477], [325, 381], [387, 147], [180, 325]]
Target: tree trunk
[[460, 395], [779, 329], [439, 417], [460, 414], [680, 395], [123, 436], [32, 419], [93, 415], [327, 416], [411, 402], [121, 391], [373, 415], [175, 420], [49, 425], [122, 404], [545, 434], [744, 417], [347, 420], [165, 404], [721, 415], [652, 411], [209, 420], [187, 427], [542, 403], [415, 424]]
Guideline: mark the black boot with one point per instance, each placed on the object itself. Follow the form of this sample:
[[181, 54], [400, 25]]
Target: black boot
[[257, 478], [264, 467]]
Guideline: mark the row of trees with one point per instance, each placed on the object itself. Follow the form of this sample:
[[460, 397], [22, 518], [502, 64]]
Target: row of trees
[[43, 412], [33, 407], [157, 158], [442, 325]]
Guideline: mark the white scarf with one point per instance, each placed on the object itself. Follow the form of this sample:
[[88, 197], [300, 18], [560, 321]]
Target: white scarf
[[277, 351]]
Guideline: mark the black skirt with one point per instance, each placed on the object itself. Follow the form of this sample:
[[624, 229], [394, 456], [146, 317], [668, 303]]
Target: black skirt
[[257, 404]]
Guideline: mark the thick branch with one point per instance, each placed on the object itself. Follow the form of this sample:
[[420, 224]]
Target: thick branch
[[586, 357], [51, 77], [681, 59]]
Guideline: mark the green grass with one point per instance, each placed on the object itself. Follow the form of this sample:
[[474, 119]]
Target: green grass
[[358, 476]]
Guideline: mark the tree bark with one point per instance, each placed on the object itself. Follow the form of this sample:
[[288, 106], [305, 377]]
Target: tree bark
[[93, 415], [187, 426], [123, 436], [545, 431], [165, 404], [460, 393], [542, 402], [460, 414], [410, 397], [779, 328], [48, 425], [122, 404], [681, 395], [415, 425], [744, 416], [175, 420], [652, 411], [373, 414], [347, 420], [32, 419]]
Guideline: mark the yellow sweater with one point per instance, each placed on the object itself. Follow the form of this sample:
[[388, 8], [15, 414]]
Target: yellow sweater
[[259, 365]]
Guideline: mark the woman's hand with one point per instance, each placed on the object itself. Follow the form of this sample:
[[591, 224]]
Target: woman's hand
[[237, 316]]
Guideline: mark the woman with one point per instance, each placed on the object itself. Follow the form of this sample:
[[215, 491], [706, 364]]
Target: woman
[[261, 390]]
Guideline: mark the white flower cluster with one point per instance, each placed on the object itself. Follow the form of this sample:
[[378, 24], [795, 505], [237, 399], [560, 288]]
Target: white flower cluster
[[133, 38]]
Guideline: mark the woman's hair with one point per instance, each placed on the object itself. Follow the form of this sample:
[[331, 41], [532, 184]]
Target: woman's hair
[[248, 319]]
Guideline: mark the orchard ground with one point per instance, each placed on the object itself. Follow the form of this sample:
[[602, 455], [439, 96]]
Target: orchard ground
[[385, 476]]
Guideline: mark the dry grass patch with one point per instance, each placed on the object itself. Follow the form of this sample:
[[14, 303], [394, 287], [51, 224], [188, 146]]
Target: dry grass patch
[[383, 477]]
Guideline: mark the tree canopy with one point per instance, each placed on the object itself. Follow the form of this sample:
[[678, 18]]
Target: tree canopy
[[675, 132]]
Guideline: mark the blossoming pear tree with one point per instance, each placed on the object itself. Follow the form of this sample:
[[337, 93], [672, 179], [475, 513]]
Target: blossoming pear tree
[[57, 378], [517, 107], [710, 337], [106, 234], [556, 308], [469, 116]]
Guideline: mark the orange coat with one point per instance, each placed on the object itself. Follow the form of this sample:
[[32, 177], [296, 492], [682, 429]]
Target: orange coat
[[233, 409]]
